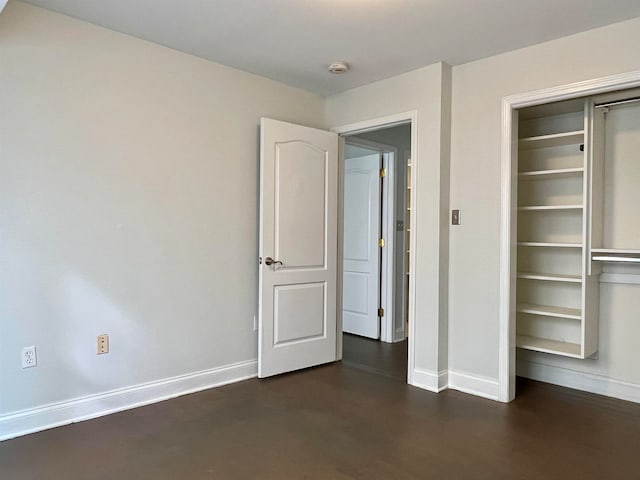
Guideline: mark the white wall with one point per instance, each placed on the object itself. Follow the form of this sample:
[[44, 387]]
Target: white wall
[[426, 91], [128, 200], [478, 89]]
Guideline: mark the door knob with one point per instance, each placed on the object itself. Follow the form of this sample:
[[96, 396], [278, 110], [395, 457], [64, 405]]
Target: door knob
[[271, 261]]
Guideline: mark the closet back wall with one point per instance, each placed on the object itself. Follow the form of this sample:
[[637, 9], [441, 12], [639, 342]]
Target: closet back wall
[[128, 201]]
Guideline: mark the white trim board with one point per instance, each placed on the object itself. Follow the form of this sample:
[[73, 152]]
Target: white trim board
[[587, 382], [63, 413], [507, 330], [431, 381], [461, 381], [474, 385]]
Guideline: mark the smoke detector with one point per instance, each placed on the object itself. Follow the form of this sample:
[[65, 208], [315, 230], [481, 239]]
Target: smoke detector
[[338, 67]]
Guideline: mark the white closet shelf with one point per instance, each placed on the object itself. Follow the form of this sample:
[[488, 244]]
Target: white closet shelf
[[539, 208], [550, 277], [547, 345], [558, 172], [553, 140], [550, 244], [622, 278], [549, 311]]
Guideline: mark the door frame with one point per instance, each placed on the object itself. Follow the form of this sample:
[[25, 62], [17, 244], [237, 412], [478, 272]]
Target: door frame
[[508, 235], [410, 117], [387, 262]]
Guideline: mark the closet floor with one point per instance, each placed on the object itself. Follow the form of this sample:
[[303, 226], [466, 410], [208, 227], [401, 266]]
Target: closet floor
[[340, 422]]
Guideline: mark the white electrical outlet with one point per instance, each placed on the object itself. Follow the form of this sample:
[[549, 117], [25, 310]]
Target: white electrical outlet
[[103, 344], [29, 357]]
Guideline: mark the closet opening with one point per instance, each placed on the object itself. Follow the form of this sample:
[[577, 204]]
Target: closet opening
[[575, 236], [376, 271]]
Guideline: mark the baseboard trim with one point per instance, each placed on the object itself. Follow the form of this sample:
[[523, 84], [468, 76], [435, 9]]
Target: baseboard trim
[[587, 382], [63, 413], [398, 335], [474, 385], [429, 380]]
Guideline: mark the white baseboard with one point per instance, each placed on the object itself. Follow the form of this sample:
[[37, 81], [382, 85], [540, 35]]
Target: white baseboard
[[474, 385], [398, 335], [54, 415], [429, 380], [587, 382]]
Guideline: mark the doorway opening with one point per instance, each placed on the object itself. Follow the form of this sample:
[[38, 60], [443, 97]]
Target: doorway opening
[[376, 212], [520, 327]]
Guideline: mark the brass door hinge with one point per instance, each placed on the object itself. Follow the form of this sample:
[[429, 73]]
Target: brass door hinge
[[381, 312], [383, 172], [381, 242]]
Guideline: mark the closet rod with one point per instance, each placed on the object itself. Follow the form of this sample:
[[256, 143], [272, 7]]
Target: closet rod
[[617, 102], [616, 259]]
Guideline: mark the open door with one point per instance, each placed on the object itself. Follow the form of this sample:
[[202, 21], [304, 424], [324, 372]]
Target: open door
[[362, 226], [298, 247]]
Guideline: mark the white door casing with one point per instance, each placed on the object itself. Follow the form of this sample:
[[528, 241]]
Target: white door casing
[[298, 227], [361, 253]]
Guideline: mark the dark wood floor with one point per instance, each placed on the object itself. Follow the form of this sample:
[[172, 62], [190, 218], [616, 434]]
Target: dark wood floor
[[340, 422], [389, 359]]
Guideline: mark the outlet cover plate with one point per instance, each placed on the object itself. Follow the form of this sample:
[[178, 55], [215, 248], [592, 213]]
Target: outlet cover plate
[[29, 357], [103, 344]]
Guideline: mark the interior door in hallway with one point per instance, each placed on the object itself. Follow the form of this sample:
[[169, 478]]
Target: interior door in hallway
[[298, 247], [362, 226]]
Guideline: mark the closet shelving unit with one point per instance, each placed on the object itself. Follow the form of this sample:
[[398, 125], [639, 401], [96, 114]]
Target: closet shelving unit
[[555, 310]]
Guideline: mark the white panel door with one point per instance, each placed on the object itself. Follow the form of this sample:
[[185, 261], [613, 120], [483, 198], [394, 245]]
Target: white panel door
[[298, 247], [361, 274]]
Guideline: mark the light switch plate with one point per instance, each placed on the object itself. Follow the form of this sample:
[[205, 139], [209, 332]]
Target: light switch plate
[[455, 217]]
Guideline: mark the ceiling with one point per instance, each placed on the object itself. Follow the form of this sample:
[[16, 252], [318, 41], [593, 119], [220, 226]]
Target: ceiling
[[293, 41]]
